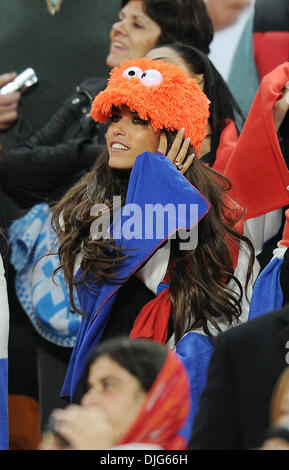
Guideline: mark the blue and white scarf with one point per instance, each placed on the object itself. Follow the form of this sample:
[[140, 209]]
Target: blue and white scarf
[[46, 301]]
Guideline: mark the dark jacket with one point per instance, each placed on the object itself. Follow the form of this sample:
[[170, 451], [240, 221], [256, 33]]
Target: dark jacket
[[247, 361], [63, 49], [56, 156]]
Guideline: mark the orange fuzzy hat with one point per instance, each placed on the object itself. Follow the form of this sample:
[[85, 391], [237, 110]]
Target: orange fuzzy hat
[[159, 91]]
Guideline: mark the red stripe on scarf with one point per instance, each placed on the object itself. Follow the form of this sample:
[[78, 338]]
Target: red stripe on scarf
[[165, 410], [152, 321]]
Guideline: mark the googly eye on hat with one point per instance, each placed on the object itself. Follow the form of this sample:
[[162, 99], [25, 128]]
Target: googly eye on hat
[[158, 91]]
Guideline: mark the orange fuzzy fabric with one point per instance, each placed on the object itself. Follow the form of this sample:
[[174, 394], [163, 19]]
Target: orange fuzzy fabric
[[176, 102]]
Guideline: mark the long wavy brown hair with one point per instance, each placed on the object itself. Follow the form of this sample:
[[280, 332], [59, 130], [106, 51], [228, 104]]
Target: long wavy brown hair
[[199, 278]]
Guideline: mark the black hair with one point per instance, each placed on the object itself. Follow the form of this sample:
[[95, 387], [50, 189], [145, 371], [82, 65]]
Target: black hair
[[184, 21], [223, 104], [140, 357]]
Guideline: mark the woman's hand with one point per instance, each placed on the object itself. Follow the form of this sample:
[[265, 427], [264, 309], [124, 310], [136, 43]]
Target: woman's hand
[[281, 107], [83, 428], [178, 151]]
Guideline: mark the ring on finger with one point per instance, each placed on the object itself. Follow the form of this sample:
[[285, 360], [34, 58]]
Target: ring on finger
[[178, 165]]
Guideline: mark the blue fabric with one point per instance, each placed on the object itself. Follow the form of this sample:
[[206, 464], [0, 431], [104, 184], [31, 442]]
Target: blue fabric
[[45, 302], [153, 180], [162, 286], [267, 293], [4, 432], [195, 350]]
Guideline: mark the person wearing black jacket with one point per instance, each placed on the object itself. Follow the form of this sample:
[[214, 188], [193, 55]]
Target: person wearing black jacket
[[46, 165]]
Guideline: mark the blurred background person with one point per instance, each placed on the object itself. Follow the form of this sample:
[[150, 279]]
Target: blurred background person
[[137, 397], [279, 413]]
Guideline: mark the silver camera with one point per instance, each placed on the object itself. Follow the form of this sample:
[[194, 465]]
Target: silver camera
[[25, 79]]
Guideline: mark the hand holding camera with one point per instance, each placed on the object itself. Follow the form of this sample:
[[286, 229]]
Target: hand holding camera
[[8, 103], [11, 86]]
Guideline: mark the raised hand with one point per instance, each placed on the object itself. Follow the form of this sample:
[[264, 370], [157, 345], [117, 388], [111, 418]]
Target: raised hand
[[178, 151]]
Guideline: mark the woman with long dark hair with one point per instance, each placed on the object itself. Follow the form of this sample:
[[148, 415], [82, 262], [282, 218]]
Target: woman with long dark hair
[[150, 286], [158, 22], [110, 177]]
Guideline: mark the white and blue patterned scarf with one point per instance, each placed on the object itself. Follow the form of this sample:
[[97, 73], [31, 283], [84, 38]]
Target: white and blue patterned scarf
[[46, 301]]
